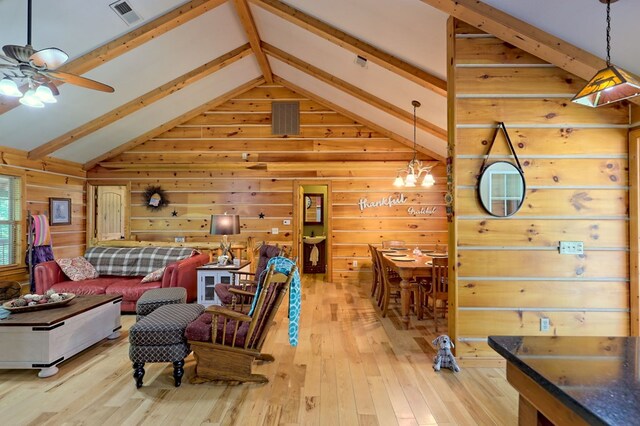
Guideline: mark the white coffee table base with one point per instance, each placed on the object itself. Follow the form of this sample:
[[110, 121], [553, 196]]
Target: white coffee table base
[[38, 347]]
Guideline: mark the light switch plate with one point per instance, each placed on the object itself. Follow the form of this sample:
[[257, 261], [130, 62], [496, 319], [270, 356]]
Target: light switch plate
[[544, 324], [286, 222], [355, 263], [275, 231], [571, 247]]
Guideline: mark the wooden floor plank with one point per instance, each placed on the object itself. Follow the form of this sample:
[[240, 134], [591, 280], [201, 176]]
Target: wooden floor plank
[[351, 367]]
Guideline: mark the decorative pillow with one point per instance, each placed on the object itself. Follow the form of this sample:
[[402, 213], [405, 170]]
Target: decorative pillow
[[77, 268], [154, 276]]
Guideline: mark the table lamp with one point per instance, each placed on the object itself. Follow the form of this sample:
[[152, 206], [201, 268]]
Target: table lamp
[[225, 224]]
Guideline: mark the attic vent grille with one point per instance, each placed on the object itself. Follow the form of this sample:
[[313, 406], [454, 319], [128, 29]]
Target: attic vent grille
[[125, 11], [285, 118]]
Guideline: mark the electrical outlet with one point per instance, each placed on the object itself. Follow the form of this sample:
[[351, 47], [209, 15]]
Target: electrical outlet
[[179, 239], [571, 247], [286, 222], [544, 324], [275, 231], [355, 263]]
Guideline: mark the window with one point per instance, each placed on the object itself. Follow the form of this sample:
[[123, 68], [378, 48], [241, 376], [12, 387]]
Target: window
[[10, 220]]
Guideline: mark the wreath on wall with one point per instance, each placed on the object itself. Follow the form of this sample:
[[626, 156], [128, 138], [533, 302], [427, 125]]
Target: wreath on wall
[[155, 198]]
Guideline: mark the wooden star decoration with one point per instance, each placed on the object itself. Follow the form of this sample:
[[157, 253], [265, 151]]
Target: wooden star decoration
[[174, 213], [261, 215]]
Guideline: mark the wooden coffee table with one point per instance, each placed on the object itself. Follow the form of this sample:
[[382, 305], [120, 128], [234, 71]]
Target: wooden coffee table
[[43, 339]]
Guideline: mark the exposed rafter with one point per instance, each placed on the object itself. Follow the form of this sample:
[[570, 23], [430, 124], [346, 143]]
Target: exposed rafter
[[140, 102], [246, 18], [356, 117], [355, 45], [523, 35], [176, 121], [353, 90], [130, 41]]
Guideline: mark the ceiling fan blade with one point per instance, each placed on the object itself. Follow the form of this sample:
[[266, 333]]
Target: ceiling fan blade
[[78, 81], [19, 53], [51, 58], [8, 67], [8, 59]]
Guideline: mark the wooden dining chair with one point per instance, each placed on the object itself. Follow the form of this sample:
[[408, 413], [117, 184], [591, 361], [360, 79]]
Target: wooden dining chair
[[393, 243], [439, 291], [375, 268]]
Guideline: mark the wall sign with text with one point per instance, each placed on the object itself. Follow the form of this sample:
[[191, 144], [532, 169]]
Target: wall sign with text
[[395, 200]]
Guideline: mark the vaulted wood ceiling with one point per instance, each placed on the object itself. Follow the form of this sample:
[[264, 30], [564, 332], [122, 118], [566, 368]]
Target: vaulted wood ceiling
[[184, 57]]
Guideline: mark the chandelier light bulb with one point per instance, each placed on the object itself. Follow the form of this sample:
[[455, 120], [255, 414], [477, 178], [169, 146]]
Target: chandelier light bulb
[[428, 180], [45, 95], [30, 99], [9, 87]]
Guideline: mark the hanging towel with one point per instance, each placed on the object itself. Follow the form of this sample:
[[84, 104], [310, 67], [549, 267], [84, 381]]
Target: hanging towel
[[41, 231], [314, 255], [284, 265]]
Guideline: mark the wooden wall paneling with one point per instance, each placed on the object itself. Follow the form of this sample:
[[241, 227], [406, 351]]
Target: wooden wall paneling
[[354, 160], [543, 232], [634, 235], [560, 172], [578, 171], [557, 202], [43, 179], [548, 142]]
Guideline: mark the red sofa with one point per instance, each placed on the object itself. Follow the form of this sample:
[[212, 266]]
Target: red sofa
[[181, 273]]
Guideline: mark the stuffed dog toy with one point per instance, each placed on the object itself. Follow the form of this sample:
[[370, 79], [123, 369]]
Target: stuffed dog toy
[[444, 358]]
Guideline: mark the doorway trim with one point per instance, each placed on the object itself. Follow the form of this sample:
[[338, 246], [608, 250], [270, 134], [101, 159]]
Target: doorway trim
[[297, 230]]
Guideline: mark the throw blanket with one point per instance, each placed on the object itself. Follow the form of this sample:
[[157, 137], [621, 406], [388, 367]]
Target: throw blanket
[[39, 254], [284, 265], [41, 232], [133, 261]]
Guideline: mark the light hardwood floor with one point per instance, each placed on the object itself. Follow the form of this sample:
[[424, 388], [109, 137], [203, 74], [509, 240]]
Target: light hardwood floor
[[350, 368]]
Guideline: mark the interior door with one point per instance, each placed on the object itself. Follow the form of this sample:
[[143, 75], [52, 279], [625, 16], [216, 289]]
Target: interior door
[[110, 212]]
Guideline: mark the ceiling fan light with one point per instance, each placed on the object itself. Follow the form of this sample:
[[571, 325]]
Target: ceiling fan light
[[45, 95], [9, 87], [30, 99]]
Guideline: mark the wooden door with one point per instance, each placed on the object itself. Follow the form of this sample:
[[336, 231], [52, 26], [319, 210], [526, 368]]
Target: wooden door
[[110, 212]]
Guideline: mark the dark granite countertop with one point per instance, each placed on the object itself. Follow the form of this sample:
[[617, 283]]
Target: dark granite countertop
[[597, 377]]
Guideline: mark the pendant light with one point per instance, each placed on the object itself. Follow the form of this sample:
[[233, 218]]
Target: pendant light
[[610, 84], [414, 169]]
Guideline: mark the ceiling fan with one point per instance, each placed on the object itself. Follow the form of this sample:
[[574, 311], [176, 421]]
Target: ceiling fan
[[37, 70]]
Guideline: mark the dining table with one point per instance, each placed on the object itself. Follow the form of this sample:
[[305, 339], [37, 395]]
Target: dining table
[[408, 266]]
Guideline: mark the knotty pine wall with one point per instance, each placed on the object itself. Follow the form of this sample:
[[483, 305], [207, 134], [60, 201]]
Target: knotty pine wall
[[508, 272], [44, 179], [200, 165]]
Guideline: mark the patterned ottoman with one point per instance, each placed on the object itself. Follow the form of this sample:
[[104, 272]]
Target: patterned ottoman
[[153, 299], [159, 337]]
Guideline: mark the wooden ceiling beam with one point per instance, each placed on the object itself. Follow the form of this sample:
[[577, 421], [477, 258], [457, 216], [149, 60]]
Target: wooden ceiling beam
[[353, 90], [246, 18], [129, 41], [140, 102], [355, 45], [522, 35], [350, 114], [176, 121]]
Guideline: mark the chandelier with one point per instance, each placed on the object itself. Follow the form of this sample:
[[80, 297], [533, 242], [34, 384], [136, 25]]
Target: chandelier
[[414, 169], [610, 84]]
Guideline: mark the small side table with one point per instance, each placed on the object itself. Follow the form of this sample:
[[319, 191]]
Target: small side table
[[211, 274]]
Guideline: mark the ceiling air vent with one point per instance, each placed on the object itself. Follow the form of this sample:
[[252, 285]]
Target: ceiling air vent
[[125, 11], [285, 118]]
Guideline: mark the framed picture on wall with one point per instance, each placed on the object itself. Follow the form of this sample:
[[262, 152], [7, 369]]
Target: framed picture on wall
[[59, 211]]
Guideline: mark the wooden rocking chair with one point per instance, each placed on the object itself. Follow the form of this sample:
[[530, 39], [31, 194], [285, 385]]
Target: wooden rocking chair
[[236, 338]]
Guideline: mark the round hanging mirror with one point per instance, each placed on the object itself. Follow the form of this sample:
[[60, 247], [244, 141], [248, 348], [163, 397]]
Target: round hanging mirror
[[501, 189]]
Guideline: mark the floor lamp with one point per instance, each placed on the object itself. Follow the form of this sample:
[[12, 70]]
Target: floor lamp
[[225, 224]]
